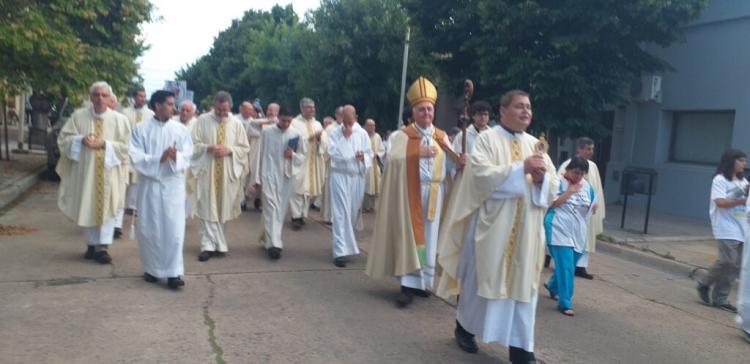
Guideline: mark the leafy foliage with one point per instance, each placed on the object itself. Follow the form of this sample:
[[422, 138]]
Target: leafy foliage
[[573, 56], [59, 47]]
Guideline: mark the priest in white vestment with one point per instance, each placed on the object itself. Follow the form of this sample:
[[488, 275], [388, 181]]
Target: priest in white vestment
[[309, 184], [351, 160], [253, 128], [219, 166], [282, 157], [187, 118], [160, 152], [135, 113], [373, 181], [404, 242], [492, 239], [585, 150], [93, 146], [325, 203]]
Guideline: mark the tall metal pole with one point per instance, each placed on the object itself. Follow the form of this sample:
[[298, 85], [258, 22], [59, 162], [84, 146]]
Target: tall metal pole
[[403, 78]]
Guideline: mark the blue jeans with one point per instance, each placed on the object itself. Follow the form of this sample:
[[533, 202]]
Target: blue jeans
[[562, 282]]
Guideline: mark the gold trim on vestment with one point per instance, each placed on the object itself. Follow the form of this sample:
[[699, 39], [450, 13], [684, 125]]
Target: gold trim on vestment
[[515, 152], [99, 173], [219, 166]]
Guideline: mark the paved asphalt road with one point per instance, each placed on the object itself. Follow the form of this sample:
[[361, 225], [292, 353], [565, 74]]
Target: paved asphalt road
[[56, 307]]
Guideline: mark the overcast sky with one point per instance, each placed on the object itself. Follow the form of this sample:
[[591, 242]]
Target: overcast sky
[[187, 30]]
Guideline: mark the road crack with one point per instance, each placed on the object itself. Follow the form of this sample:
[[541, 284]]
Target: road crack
[[211, 324]]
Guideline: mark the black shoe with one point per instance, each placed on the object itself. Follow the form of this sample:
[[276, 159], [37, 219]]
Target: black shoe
[[547, 260], [129, 211], [90, 252], [465, 339], [149, 278], [421, 293], [274, 253], [220, 254], [340, 262], [727, 307], [117, 234], [175, 282], [257, 204], [581, 272], [102, 257], [520, 356], [297, 224], [243, 206], [405, 298], [703, 291], [204, 256], [313, 207]]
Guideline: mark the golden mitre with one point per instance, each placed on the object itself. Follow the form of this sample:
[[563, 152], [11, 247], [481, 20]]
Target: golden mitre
[[421, 90]]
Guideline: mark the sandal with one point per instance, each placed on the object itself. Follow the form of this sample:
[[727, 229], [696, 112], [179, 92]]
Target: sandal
[[567, 312], [551, 295]]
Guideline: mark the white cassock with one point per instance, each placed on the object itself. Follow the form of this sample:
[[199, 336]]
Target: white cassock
[[424, 278], [253, 129], [92, 182], [595, 221], [161, 192], [276, 178], [309, 183], [325, 208], [375, 176], [493, 239], [347, 185], [135, 116]]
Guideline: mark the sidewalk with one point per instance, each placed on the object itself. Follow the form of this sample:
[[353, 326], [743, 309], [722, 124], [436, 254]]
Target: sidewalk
[[20, 173], [686, 242]]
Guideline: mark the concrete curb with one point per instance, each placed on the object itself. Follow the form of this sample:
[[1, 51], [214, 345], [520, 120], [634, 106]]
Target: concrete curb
[[650, 260], [10, 193]]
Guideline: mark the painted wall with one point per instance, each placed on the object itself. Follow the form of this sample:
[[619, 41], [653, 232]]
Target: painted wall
[[711, 72]]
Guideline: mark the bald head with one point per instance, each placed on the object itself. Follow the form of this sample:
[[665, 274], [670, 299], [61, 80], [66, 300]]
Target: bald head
[[272, 111], [247, 110], [349, 114], [370, 126]]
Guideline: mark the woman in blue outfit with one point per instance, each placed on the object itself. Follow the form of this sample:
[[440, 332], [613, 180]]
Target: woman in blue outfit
[[565, 230]]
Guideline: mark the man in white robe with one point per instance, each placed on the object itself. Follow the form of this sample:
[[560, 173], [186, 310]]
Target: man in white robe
[[325, 204], [253, 128], [279, 165], [219, 166], [351, 160], [492, 239], [404, 242], [372, 185], [93, 145], [186, 117], [309, 184], [480, 117], [135, 113], [585, 150], [160, 152]]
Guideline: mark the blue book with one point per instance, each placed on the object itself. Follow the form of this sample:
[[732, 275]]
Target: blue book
[[293, 143]]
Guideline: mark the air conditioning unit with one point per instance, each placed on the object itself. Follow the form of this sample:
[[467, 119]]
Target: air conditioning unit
[[648, 88]]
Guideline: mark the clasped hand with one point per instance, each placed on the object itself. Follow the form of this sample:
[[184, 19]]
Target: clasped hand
[[360, 155], [169, 154], [219, 151], [93, 142]]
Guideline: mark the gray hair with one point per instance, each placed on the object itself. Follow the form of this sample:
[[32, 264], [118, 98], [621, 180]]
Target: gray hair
[[98, 85], [584, 142], [187, 102], [305, 101], [222, 97]]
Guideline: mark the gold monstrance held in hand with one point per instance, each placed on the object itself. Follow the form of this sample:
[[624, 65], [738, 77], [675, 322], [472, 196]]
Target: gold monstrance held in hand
[[541, 147]]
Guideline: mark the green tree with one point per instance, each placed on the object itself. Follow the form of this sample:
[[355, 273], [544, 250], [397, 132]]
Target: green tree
[[573, 56], [251, 58], [354, 55], [59, 47]]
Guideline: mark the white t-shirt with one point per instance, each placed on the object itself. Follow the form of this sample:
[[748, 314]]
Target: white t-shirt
[[728, 223]]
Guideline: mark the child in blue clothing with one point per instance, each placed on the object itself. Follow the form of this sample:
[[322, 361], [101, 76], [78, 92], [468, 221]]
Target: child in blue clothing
[[565, 228]]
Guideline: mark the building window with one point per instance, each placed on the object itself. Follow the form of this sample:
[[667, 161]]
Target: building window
[[700, 137]]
